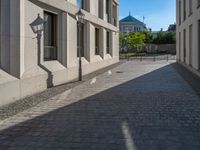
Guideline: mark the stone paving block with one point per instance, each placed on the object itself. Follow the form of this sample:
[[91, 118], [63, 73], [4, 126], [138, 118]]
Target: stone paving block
[[148, 106]]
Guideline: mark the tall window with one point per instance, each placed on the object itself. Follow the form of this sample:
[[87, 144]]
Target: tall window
[[50, 37], [114, 14], [199, 42], [184, 10], [179, 8], [180, 46], [107, 10], [108, 42], [198, 3], [100, 7], [97, 50], [80, 39], [190, 44], [184, 45], [190, 7]]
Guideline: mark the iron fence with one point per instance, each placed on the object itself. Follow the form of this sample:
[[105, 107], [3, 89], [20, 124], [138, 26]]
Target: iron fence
[[149, 57]]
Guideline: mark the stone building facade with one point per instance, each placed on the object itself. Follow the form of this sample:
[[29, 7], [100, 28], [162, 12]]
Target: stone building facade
[[20, 74], [188, 33]]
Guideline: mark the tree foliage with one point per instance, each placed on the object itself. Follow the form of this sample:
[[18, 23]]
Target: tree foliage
[[148, 37], [136, 39], [123, 41], [139, 39], [165, 38]]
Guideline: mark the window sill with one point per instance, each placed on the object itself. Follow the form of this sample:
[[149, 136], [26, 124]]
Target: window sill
[[53, 65], [108, 56], [50, 60], [96, 58]]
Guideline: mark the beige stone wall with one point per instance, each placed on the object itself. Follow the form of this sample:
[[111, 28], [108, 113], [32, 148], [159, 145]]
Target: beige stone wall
[[192, 55], [20, 74]]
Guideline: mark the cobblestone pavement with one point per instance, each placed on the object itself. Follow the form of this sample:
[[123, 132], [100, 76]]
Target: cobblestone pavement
[[135, 106]]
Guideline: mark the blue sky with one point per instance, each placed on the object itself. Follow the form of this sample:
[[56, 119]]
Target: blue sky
[[158, 13]]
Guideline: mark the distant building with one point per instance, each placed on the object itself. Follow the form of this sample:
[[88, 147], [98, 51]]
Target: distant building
[[131, 24], [172, 27]]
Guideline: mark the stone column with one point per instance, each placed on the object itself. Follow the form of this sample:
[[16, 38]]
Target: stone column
[[62, 38], [12, 38], [5, 34]]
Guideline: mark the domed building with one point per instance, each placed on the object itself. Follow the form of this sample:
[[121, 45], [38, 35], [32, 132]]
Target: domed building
[[131, 24]]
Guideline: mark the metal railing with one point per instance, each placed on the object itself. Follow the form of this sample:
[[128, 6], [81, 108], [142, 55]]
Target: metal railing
[[150, 57]]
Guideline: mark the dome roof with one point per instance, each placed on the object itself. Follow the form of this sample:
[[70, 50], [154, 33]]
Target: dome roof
[[131, 19]]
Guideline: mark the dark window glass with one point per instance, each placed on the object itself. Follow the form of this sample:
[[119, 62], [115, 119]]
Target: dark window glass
[[50, 35], [97, 51], [199, 42], [100, 8], [180, 46], [184, 9], [108, 42], [184, 45], [107, 10], [190, 7], [107, 6], [190, 44], [179, 7], [80, 39], [198, 3], [114, 14]]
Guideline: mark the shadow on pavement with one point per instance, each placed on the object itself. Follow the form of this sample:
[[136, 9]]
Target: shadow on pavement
[[151, 112]]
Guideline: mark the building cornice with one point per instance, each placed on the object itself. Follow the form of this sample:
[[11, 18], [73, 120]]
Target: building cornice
[[72, 9]]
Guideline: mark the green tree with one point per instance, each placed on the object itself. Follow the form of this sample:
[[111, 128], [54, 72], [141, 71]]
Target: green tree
[[123, 41], [165, 38], [136, 39], [148, 37], [170, 37]]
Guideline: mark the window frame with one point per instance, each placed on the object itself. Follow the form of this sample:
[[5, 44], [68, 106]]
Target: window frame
[[184, 45], [180, 45], [97, 41], [199, 41], [198, 3], [54, 33], [184, 10], [108, 10], [190, 8], [180, 12], [190, 43], [107, 42]]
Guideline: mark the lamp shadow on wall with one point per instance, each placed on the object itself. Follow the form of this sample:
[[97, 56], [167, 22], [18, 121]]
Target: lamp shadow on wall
[[50, 75], [37, 27]]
